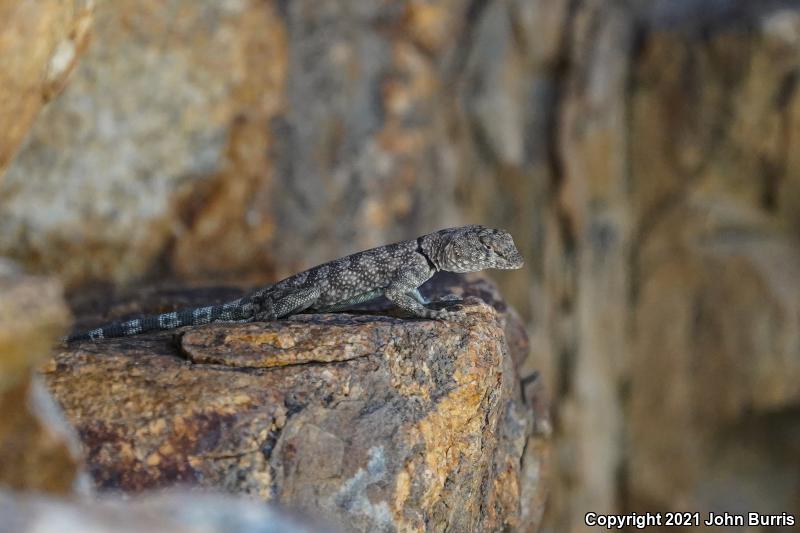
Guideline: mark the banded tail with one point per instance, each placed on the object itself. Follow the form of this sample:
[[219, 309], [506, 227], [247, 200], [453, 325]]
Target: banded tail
[[238, 310]]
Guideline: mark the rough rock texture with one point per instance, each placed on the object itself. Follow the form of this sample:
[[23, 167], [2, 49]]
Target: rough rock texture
[[38, 450], [213, 137], [643, 153], [175, 512], [373, 422], [40, 453], [664, 164], [715, 270], [39, 44]]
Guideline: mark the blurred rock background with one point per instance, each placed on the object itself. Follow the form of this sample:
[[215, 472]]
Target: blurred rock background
[[644, 153]]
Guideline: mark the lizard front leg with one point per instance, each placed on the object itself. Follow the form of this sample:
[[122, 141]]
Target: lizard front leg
[[404, 293], [419, 297]]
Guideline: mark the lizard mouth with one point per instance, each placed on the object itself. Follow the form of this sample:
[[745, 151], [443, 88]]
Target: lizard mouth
[[514, 266], [512, 263]]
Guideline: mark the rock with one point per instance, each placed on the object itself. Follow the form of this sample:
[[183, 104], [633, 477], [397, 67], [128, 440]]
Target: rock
[[722, 370], [654, 194], [368, 420], [32, 315], [173, 512], [665, 276], [39, 45], [210, 138], [38, 450]]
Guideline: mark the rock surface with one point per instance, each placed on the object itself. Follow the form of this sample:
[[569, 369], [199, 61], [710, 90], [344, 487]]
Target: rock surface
[[211, 137], [40, 454], [175, 512], [643, 154], [39, 45], [666, 214], [370, 421], [38, 449], [716, 269]]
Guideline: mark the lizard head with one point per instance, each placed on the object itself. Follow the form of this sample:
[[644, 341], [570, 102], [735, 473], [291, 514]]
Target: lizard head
[[473, 248]]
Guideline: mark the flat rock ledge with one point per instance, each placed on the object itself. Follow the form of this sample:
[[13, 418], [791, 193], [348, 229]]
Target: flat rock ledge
[[367, 420]]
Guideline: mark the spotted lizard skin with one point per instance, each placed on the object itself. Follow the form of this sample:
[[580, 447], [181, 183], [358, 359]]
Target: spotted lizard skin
[[395, 271]]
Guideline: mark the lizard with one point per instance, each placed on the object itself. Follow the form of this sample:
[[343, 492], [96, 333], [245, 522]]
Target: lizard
[[395, 271]]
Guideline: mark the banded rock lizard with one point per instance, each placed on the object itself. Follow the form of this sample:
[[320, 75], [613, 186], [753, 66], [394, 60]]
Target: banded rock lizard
[[395, 271]]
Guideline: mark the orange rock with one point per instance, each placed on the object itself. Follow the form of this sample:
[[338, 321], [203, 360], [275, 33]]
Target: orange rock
[[38, 450], [40, 43]]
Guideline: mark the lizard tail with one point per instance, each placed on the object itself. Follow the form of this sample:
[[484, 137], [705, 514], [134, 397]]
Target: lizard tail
[[236, 310]]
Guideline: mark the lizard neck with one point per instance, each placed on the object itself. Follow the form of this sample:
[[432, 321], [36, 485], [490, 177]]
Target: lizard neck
[[426, 254], [431, 247]]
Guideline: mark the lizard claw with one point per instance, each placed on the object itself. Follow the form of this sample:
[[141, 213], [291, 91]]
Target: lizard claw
[[450, 298]]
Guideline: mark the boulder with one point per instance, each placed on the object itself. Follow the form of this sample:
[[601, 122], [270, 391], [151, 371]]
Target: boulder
[[40, 43], [39, 451], [665, 280], [209, 138], [43, 487], [368, 419]]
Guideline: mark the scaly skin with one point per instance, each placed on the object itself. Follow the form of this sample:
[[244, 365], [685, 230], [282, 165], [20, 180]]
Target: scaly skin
[[394, 270]]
